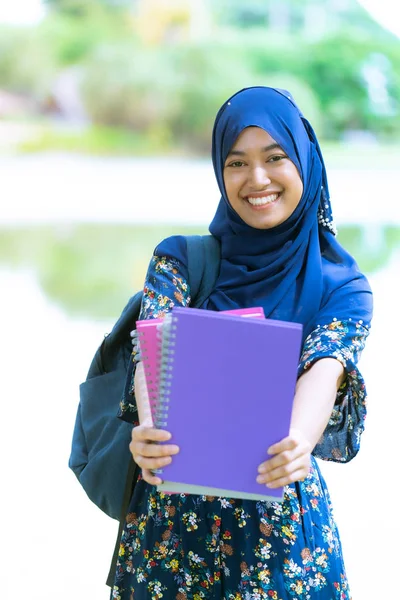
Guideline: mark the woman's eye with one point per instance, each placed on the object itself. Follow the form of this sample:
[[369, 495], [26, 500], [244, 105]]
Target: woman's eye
[[277, 157], [236, 163]]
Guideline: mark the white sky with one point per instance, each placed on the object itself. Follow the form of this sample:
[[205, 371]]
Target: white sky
[[387, 12], [21, 11]]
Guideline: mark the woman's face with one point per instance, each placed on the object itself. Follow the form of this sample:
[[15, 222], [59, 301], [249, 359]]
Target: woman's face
[[262, 184]]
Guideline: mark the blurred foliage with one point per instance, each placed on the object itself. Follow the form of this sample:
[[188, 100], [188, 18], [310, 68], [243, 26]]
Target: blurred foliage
[[79, 7], [205, 83], [92, 270], [98, 140], [174, 94], [27, 67], [178, 89], [335, 68], [121, 88], [77, 27], [239, 14], [169, 87]]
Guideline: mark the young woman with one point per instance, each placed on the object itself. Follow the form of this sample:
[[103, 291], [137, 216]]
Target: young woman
[[279, 251]]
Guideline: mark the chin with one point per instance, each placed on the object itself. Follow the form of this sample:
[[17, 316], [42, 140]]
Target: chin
[[265, 227], [262, 225]]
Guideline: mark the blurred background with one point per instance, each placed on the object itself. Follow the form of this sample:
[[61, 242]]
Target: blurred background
[[106, 111]]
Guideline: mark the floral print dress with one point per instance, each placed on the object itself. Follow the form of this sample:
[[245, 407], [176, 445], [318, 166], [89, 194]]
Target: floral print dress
[[187, 547]]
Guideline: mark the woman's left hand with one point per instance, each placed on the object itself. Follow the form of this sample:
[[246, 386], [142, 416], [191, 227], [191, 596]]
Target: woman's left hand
[[291, 461]]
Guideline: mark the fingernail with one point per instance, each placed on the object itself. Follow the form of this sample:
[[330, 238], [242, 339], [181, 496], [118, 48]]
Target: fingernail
[[260, 479], [261, 469]]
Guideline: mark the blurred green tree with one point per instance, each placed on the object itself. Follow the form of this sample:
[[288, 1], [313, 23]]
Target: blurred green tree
[[26, 66], [166, 82], [75, 28], [80, 7]]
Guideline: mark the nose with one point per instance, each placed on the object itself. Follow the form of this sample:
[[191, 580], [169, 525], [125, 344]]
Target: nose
[[259, 178]]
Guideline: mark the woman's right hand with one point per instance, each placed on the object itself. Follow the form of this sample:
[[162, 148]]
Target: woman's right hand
[[150, 455]]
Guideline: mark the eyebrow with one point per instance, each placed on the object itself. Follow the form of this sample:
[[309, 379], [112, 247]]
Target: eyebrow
[[265, 149]]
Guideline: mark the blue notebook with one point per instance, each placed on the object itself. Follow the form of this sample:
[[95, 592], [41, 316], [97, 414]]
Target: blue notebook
[[226, 394]]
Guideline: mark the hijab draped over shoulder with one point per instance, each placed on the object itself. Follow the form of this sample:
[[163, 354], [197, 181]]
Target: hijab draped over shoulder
[[297, 270]]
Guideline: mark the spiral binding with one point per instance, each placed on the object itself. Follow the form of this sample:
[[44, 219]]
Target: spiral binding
[[167, 345], [135, 345]]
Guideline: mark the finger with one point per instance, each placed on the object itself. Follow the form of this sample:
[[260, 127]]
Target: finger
[[283, 458], [151, 478], [288, 443], [287, 468], [155, 450], [152, 463], [285, 471], [151, 434], [299, 475]]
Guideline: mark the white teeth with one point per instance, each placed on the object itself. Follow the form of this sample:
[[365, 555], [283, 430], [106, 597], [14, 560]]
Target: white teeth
[[261, 201]]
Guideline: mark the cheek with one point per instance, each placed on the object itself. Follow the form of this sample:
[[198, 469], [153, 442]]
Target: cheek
[[233, 184], [295, 184], [300, 189]]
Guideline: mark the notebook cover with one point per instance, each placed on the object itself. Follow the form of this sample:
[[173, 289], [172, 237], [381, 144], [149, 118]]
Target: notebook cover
[[149, 339], [257, 312], [230, 398]]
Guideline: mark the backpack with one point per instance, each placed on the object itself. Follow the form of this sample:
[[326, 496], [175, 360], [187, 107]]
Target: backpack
[[100, 455]]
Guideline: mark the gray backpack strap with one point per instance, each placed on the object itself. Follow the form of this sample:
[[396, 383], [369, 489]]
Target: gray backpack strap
[[204, 258], [212, 265]]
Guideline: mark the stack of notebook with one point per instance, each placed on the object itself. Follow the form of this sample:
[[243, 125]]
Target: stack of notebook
[[224, 387]]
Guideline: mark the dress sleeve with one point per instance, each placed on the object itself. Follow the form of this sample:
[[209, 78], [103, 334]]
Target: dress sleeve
[[166, 286], [343, 340]]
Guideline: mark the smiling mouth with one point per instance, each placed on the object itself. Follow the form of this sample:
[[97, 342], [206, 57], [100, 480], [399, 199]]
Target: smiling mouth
[[263, 200]]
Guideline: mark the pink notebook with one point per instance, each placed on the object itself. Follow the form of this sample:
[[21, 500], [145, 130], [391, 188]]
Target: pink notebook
[[149, 339]]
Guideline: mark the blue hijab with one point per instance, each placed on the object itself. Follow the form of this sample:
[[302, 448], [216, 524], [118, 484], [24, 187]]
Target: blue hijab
[[297, 270]]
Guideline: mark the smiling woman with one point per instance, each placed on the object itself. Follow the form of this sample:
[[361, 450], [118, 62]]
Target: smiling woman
[[262, 184], [278, 250]]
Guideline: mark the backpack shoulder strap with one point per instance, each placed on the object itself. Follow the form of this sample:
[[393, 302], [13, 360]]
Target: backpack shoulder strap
[[120, 335], [204, 257]]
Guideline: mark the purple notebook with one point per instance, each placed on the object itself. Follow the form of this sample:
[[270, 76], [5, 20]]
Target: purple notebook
[[226, 394]]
